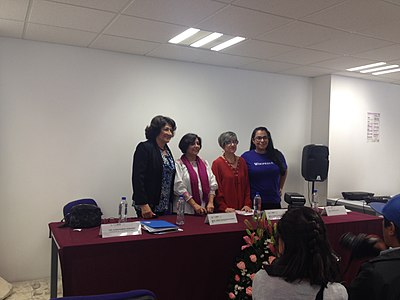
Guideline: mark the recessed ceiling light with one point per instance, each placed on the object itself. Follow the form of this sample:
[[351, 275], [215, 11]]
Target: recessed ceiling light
[[207, 39], [387, 71], [183, 36], [366, 66], [228, 43], [379, 69]]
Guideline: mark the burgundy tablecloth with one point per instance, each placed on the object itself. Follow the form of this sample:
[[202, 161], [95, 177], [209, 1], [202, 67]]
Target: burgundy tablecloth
[[193, 264]]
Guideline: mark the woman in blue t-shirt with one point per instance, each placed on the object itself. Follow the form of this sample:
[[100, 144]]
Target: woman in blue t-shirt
[[267, 169]]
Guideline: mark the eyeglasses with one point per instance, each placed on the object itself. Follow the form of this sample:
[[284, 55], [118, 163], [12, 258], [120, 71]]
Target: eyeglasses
[[259, 138], [235, 142]]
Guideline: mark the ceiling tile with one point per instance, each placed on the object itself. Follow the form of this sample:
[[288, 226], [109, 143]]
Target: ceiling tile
[[222, 59], [252, 23], [143, 29], [13, 9], [348, 43], [308, 71], [63, 15], [356, 15], [176, 52], [113, 6], [11, 28], [344, 62], [268, 66], [387, 31], [382, 54], [126, 45], [183, 12], [299, 34], [258, 49], [58, 35], [288, 8], [304, 56]]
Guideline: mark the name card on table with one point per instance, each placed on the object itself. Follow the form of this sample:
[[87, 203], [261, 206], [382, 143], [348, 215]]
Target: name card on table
[[222, 218], [335, 210], [120, 229], [275, 214]]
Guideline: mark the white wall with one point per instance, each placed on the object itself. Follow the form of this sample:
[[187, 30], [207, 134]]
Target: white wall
[[71, 117], [355, 164]]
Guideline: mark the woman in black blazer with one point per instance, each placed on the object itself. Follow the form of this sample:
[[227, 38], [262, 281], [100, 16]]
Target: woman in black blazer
[[154, 169]]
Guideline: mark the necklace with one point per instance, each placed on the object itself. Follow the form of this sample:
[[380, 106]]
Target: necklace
[[230, 162]]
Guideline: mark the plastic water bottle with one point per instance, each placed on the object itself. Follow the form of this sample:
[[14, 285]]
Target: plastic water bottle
[[123, 210], [180, 211], [257, 204], [314, 201]]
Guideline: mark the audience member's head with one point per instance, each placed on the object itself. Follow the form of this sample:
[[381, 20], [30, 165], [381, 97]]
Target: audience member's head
[[391, 224], [305, 249]]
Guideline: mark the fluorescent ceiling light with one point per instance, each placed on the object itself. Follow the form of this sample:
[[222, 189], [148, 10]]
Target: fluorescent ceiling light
[[366, 66], [183, 36], [206, 40], [379, 69], [387, 71], [228, 43]]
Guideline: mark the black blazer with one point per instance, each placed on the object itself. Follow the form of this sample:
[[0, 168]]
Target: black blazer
[[147, 174]]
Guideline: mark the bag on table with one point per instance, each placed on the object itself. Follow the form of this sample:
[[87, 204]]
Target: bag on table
[[82, 213]]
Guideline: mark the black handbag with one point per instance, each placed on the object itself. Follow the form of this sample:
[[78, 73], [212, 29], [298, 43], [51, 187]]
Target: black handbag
[[83, 213]]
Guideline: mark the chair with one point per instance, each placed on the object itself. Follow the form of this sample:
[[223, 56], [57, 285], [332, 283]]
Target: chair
[[130, 295]]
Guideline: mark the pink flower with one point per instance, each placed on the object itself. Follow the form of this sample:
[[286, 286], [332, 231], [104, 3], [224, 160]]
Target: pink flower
[[237, 277], [232, 295], [250, 240], [241, 265], [253, 258], [249, 291], [252, 276]]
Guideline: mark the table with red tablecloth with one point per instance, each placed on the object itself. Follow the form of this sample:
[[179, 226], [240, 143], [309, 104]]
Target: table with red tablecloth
[[191, 264]]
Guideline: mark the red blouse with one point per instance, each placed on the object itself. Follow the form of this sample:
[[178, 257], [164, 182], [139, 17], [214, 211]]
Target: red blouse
[[233, 184]]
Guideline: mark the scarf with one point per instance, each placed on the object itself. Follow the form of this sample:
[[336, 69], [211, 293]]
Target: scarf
[[194, 181]]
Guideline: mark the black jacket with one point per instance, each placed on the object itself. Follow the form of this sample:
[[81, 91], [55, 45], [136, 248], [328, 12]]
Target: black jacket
[[147, 174], [379, 278]]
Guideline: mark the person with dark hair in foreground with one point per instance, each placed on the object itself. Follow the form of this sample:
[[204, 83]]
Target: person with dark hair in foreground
[[194, 179], [154, 169], [379, 278], [267, 169], [306, 268]]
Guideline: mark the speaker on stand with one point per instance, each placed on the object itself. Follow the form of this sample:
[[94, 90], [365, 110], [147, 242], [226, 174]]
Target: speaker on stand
[[315, 163]]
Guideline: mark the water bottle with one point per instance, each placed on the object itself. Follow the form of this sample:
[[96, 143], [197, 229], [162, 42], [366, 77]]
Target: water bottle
[[123, 210], [180, 211], [314, 200], [257, 204]]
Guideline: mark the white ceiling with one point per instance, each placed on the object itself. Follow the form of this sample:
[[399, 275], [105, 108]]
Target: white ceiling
[[296, 37]]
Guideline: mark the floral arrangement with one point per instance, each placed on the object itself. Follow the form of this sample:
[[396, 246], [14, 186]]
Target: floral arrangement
[[259, 249]]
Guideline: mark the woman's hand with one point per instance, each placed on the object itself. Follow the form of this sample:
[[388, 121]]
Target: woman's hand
[[147, 213], [210, 207], [246, 208], [229, 209], [198, 209]]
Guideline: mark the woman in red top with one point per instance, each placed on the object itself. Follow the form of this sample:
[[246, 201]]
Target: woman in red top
[[231, 174]]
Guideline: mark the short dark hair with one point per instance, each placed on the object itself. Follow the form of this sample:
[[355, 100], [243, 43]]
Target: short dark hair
[[386, 223], [156, 124], [187, 140], [307, 253], [272, 153]]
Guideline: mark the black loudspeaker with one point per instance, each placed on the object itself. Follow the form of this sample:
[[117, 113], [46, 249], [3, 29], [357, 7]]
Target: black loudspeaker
[[315, 163]]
